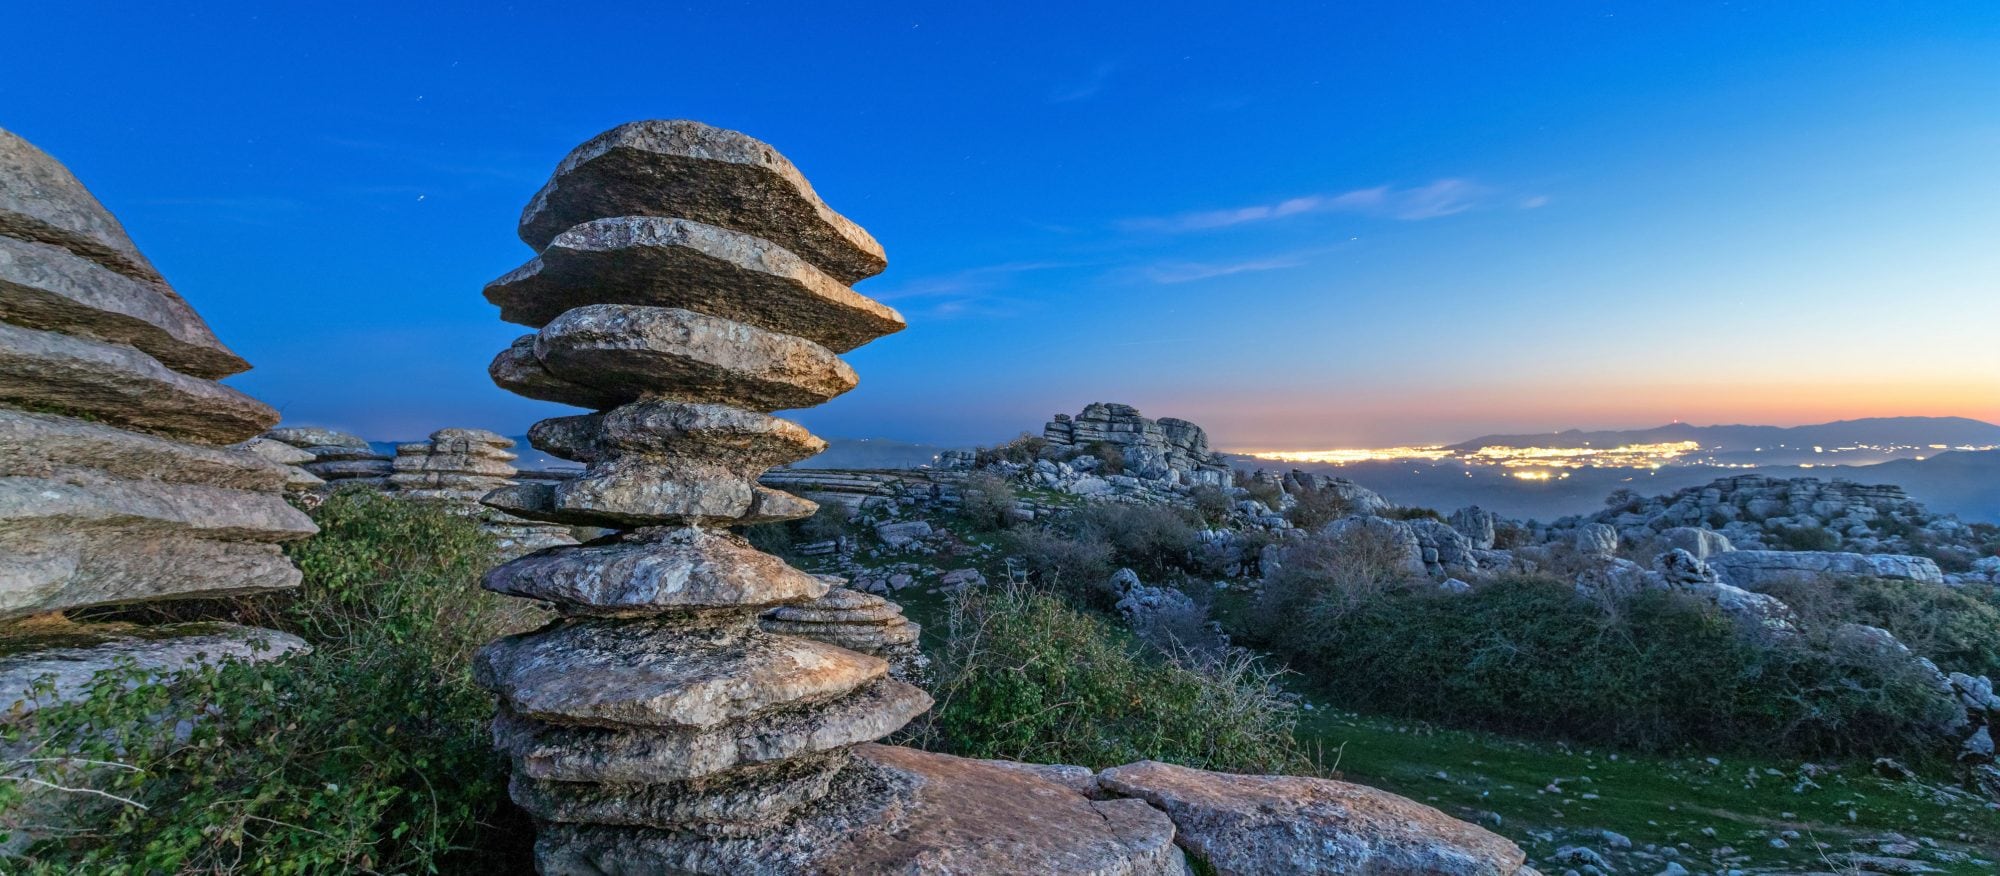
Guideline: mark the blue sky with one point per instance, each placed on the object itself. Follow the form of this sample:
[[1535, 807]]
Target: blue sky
[[1302, 226]]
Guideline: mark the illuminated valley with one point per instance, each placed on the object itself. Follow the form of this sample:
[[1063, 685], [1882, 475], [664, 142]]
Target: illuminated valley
[[1546, 463]]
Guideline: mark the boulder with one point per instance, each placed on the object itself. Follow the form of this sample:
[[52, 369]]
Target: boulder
[[710, 175], [678, 263], [1753, 570], [1596, 540], [1245, 825], [904, 811]]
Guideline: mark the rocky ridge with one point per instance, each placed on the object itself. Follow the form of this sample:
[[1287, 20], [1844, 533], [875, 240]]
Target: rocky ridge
[[127, 473]]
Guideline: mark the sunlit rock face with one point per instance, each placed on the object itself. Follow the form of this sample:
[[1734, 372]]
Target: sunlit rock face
[[120, 476]]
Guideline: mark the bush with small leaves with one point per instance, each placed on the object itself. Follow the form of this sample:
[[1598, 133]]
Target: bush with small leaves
[[1024, 676], [370, 754]]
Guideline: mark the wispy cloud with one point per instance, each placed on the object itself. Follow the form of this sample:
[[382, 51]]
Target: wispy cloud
[[1443, 197], [1188, 272], [972, 292], [1084, 88]]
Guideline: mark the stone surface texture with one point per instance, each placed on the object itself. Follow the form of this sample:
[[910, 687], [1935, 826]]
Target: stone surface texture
[[1245, 825], [118, 479], [1168, 449]]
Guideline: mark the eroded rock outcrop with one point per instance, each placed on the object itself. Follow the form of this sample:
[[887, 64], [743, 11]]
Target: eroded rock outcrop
[[1168, 449], [690, 282], [337, 458], [119, 478], [456, 469]]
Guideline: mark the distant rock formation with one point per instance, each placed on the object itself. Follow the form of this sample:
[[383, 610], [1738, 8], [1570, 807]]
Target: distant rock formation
[[856, 621], [1168, 449], [118, 483], [337, 458], [456, 468]]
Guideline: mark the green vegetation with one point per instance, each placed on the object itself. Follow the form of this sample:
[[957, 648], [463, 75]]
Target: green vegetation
[[1806, 538], [368, 756], [1726, 810], [1024, 676], [1658, 671], [1956, 627]]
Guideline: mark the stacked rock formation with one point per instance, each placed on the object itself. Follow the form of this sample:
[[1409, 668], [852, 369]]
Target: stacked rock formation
[[338, 458], [856, 621], [456, 468], [117, 481], [688, 283], [1167, 449]]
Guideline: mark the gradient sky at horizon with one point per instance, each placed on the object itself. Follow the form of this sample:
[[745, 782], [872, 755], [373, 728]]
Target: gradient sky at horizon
[[1370, 223]]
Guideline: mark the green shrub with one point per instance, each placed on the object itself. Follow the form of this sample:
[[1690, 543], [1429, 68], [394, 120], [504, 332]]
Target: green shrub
[[986, 501], [369, 755], [1154, 540], [1111, 455], [1413, 514], [1212, 503], [1806, 538], [1313, 509], [1023, 676], [1527, 655], [1956, 627], [1021, 451], [1062, 562], [1267, 492]]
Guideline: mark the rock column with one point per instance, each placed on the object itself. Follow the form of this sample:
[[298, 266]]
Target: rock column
[[117, 481], [456, 468], [688, 284], [338, 458]]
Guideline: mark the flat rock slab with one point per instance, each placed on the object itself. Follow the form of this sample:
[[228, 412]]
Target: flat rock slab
[[124, 387], [84, 539], [637, 491], [574, 753], [40, 445], [733, 803], [663, 673], [711, 433], [656, 571], [308, 437], [906, 812], [662, 262], [41, 201], [686, 169], [47, 287], [627, 352], [69, 656], [1243, 825]]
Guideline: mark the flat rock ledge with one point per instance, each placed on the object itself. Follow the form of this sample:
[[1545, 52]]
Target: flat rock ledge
[[1253, 825], [623, 353], [66, 657], [708, 174], [901, 811], [665, 262]]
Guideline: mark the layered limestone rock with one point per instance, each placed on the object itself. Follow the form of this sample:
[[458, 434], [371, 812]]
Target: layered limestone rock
[[338, 458], [122, 479], [856, 621], [456, 469], [1167, 449], [688, 284]]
